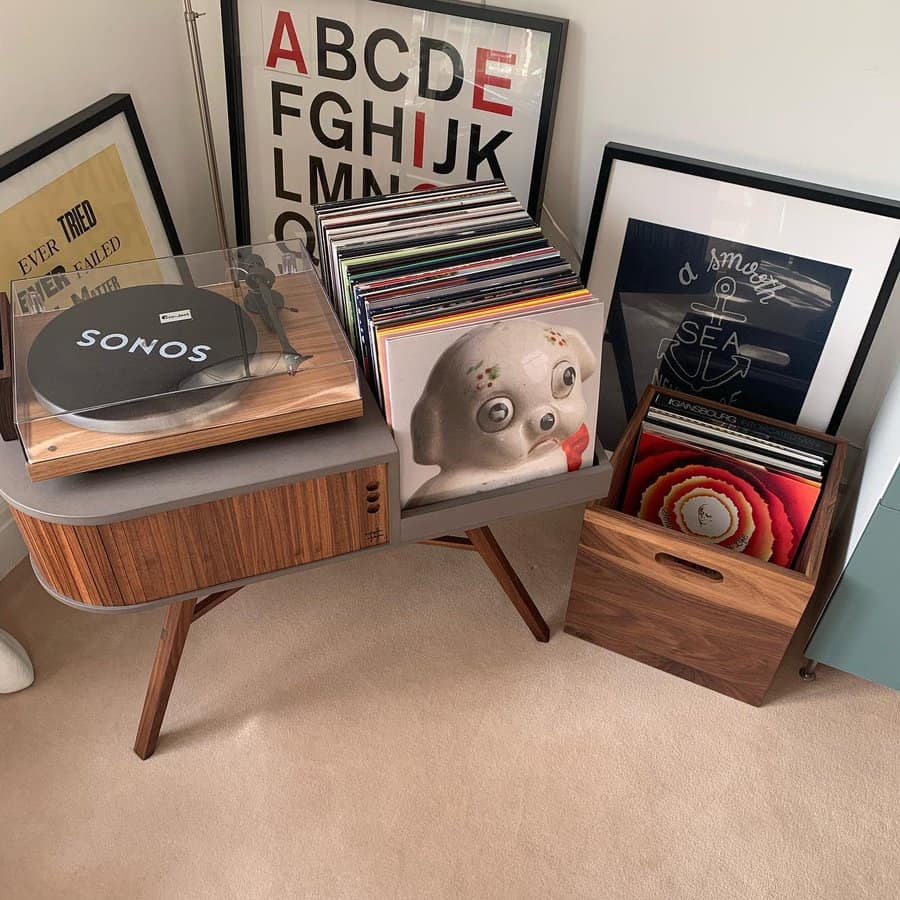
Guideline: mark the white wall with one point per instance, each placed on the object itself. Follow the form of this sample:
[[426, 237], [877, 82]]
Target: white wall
[[60, 56], [803, 88]]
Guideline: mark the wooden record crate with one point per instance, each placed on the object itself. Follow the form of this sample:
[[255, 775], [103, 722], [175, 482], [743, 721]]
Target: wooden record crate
[[682, 604]]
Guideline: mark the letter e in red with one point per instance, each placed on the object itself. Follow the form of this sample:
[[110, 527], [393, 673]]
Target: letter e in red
[[482, 78], [284, 25]]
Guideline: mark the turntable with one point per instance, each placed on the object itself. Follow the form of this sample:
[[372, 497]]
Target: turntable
[[131, 362]]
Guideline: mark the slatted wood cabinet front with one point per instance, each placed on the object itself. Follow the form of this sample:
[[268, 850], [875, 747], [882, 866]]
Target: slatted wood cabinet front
[[194, 548]]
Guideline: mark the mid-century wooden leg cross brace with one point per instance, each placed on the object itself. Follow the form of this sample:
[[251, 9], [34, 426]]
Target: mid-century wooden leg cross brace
[[181, 615]]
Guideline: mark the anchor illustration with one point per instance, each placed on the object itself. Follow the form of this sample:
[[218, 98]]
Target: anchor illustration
[[701, 379], [724, 290]]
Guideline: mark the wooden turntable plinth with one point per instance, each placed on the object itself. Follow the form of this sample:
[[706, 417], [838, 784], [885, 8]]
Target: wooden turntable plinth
[[324, 390]]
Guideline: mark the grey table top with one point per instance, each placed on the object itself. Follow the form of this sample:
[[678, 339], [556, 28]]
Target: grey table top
[[201, 476]]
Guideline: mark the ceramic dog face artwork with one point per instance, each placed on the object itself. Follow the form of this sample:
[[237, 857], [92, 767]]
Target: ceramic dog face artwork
[[503, 404]]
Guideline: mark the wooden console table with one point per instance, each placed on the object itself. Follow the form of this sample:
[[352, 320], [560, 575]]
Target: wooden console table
[[191, 530]]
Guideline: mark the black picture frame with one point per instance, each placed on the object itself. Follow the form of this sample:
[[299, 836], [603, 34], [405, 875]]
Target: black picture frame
[[32, 151], [876, 206], [557, 28], [20, 158]]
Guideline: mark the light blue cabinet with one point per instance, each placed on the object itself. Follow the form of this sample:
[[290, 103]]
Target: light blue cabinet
[[859, 631], [891, 497]]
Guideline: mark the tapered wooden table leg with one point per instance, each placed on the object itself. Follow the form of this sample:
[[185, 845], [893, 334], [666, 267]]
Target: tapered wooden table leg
[[165, 667], [486, 544]]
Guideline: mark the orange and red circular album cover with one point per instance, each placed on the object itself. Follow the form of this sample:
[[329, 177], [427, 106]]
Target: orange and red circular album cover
[[744, 507]]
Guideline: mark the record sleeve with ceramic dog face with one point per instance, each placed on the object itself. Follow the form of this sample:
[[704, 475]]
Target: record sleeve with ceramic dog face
[[483, 406]]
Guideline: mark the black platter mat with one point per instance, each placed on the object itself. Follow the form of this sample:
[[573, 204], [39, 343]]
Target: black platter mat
[[94, 357]]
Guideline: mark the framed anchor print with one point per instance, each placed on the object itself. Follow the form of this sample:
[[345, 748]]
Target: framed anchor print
[[334, 99], [743, 288]]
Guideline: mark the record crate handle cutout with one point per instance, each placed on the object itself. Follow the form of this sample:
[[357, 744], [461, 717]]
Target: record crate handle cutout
[[676, 562]]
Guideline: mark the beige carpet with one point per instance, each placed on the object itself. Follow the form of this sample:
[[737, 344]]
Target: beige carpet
[[387, 727]]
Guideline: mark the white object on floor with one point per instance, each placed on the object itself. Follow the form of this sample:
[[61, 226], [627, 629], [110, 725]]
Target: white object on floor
[[16, 671], [12, 549]]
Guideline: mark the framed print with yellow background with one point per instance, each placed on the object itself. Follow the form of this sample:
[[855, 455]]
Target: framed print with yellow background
[[77, 197], [81, 195]]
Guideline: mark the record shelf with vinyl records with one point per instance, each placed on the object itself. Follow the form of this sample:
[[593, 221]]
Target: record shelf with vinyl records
[[481, 347], [172, 355]]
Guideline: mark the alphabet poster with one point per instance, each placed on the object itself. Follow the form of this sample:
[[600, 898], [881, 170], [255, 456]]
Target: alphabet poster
[[719, 319], [351, 98], [83, 220]]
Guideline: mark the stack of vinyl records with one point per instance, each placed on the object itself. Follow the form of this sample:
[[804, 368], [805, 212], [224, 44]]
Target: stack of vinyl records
[[479, 341], [713, 473]]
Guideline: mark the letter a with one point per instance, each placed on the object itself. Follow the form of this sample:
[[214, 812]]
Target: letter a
[[686, 274], [284, 25]]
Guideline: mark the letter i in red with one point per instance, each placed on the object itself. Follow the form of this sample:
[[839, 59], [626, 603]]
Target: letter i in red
[[419, 143]]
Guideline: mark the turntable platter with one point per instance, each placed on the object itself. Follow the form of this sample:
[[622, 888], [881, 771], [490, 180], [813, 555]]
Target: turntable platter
[[123, 362]]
